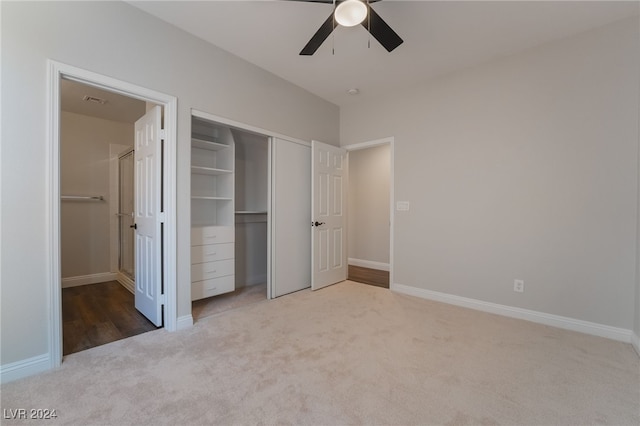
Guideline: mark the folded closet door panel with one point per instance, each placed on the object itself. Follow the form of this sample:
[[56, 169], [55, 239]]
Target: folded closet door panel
[[290, 217]]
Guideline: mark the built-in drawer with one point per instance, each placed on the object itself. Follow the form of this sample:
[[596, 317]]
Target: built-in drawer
[[209, 270], [213, 287], [212, 235], [211, 253]]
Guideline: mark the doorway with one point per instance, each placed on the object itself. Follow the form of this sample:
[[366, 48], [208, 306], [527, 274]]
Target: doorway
[[96, 218], [249, 218], [370, 217], [57, 74], [229, 192]]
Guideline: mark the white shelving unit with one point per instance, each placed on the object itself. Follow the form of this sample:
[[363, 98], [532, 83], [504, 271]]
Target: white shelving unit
[[212, 209]]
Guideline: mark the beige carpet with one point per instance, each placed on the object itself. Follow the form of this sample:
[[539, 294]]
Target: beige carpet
[[215, 305], [347, 354]]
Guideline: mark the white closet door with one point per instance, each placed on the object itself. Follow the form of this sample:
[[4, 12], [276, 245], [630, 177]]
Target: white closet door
[[290, 216]]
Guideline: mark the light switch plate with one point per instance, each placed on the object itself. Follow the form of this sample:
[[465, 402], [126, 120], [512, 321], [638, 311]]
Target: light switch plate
[[402, 206]]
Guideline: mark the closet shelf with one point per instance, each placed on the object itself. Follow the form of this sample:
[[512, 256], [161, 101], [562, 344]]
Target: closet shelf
[[250, 212], [209, 171], [203, 197], [206, 144], [81, 197]]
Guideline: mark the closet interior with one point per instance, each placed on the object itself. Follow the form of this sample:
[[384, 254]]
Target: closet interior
[[229, 203]]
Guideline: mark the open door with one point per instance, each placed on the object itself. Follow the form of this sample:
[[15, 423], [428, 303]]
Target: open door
[[328, 208], [148, 216]]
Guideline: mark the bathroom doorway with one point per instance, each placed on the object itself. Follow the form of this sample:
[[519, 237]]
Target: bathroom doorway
[[96, 216]]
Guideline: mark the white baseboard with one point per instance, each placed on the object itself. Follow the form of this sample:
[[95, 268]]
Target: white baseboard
[[635, 341], [614, 333], [25, 368], [368, 264], [126, 282], [184, 322], [89, 279]]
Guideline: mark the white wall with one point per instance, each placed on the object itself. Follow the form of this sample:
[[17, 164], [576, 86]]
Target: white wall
[[117, 40], [368, 226], [84, 170], [524, 167]]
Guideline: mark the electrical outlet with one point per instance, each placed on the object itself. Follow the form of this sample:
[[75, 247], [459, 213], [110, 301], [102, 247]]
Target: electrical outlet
[[518, 286]]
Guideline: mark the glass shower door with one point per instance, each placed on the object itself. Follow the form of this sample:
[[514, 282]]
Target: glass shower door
[[125, 213]]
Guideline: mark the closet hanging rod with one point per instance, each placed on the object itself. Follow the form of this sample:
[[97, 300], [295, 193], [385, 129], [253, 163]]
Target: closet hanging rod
[[82, 197]]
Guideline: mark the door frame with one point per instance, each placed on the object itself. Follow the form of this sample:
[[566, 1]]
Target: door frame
[[55, 72], [370, 144]]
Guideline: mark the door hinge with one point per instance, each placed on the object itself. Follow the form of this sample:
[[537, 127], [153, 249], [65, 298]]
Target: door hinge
[[163, 299], [163, 134]]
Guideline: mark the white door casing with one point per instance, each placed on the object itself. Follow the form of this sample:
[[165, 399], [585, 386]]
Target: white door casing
[[148, 216], [328, 208], [55, 72]]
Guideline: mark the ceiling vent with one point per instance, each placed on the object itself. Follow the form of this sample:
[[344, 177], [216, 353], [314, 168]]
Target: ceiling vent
[[94, 100]]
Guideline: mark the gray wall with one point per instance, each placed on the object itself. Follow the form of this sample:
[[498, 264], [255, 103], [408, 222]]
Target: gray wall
[[251, 176], [368, 227], [117, 40], [521, 168]]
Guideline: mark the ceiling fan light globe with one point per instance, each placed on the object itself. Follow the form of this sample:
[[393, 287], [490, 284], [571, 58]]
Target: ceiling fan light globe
[[350, 13]]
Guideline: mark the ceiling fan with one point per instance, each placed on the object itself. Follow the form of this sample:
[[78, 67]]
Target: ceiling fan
[[349, 13]]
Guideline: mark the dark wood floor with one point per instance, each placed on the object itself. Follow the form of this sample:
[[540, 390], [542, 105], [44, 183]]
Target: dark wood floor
[[96, 314], [369, 276]]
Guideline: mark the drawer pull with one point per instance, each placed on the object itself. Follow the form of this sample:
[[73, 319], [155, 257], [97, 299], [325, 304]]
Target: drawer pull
[[212, 254]]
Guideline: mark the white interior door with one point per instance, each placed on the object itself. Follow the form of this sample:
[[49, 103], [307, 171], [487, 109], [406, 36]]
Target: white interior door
[[328, 207], [148, 216], [290, 242]]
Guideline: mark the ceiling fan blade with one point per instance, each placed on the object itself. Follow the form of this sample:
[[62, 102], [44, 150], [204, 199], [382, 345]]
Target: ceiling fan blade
[[381, 31], [319, 37], [328, 1]]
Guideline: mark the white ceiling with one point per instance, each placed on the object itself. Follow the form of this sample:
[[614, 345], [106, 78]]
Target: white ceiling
[[439, 37]]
